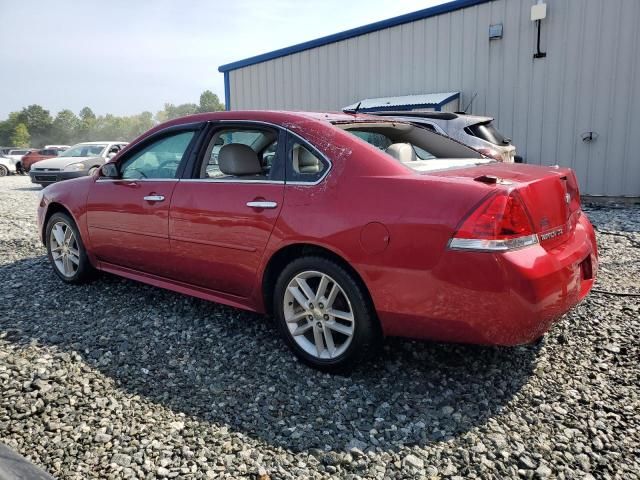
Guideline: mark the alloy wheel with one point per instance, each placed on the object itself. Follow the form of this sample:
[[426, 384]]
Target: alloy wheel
[[319, 315], [64, 249], [3, 171]]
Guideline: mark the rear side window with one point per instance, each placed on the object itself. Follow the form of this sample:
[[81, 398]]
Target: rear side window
[[486, 131], [304, 164]]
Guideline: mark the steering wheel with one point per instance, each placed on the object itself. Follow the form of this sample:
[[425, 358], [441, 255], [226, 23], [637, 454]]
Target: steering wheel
[[169, 162]]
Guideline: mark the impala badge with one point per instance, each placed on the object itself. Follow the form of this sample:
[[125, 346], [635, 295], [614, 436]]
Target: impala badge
[[552, 234]]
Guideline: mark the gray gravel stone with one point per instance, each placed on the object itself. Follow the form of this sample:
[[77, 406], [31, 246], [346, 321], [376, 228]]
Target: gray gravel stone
[[412, 461], [116, 379]]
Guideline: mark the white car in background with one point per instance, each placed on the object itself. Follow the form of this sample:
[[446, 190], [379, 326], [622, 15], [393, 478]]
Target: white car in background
[[17, 154], [7, 166], [475, 131]]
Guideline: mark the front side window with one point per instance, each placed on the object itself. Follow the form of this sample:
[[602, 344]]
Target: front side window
[[242, 153], [159, 159]]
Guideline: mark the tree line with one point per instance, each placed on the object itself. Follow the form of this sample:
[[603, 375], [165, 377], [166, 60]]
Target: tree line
[[33, 126]]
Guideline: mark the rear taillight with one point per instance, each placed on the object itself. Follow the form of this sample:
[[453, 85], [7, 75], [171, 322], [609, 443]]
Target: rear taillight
[[500, 223]]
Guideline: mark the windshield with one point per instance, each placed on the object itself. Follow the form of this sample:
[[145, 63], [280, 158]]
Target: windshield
[[415, 147], [84, 151]]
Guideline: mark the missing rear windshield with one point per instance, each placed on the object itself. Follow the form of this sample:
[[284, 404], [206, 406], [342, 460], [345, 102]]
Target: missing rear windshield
[[413, 146]]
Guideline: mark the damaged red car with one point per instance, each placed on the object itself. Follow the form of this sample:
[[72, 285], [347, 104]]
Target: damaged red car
[[345, 227]]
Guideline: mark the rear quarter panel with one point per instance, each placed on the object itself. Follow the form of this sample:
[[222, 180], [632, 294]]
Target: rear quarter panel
[[368, 194]]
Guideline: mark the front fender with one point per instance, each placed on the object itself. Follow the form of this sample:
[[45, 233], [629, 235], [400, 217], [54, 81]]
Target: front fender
[[69, 196]]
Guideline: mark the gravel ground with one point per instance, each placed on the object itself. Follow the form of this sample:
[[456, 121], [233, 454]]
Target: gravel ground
[[120, 380]]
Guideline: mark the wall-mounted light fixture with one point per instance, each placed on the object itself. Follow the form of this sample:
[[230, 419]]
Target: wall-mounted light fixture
[[495, 31], [538, 12]]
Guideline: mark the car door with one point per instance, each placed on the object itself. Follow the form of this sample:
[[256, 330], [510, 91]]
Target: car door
[[219, 224], [127, 217]]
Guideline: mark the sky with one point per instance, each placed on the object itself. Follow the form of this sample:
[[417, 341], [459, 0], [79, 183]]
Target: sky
[[125, 57]]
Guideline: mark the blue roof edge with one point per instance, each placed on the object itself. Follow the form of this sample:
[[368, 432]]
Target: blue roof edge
[[354, 32], [438, 105]]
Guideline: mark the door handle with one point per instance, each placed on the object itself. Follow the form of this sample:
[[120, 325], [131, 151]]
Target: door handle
[[154, 198], [262, 204]]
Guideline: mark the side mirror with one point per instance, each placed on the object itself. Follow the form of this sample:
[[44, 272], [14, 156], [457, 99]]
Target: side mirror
[[109, 170]]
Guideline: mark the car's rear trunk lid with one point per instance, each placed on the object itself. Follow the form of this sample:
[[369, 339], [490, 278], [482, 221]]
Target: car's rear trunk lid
[[550, 195]]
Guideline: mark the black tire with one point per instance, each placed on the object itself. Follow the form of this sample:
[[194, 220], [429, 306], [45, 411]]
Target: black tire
[[85, 270], [4, 171], [366, 336]]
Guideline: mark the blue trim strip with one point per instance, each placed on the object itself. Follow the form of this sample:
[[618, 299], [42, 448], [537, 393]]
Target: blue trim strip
[[227, 92], [354, 32]]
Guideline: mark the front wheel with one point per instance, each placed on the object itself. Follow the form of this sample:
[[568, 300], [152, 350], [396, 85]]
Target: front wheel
[[324, 314], [66, 251], [4, 171]]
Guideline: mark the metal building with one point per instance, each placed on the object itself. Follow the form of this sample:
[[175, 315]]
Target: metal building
[[577, 106]]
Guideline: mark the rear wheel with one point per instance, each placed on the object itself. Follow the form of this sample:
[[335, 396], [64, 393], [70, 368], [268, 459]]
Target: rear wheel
[[4, 171], [324, 315], [66, 251]]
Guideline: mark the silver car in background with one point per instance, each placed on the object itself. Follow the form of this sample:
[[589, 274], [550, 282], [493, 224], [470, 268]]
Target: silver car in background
[[78, 161], [475, 131]]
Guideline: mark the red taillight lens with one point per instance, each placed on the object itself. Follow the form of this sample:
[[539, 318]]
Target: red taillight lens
[[500, 223]]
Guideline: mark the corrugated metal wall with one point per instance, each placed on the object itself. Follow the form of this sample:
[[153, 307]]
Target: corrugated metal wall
[[589, 81]]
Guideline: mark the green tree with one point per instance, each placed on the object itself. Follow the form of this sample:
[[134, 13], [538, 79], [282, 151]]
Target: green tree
[[87, 115], [7, 127], [20, 136], [209, 102], [172, 111], [84, 131], [38, 122], [65, 127]]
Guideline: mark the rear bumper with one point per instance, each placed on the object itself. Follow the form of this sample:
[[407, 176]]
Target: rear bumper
[[498, 299], [46, 178]]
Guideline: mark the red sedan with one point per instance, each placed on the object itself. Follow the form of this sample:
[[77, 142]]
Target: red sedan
[[346, 228], [36, 155]]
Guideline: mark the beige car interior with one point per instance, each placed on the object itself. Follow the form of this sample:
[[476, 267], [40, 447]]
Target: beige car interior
[[304, 161], [403, 152], [239, 160]]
